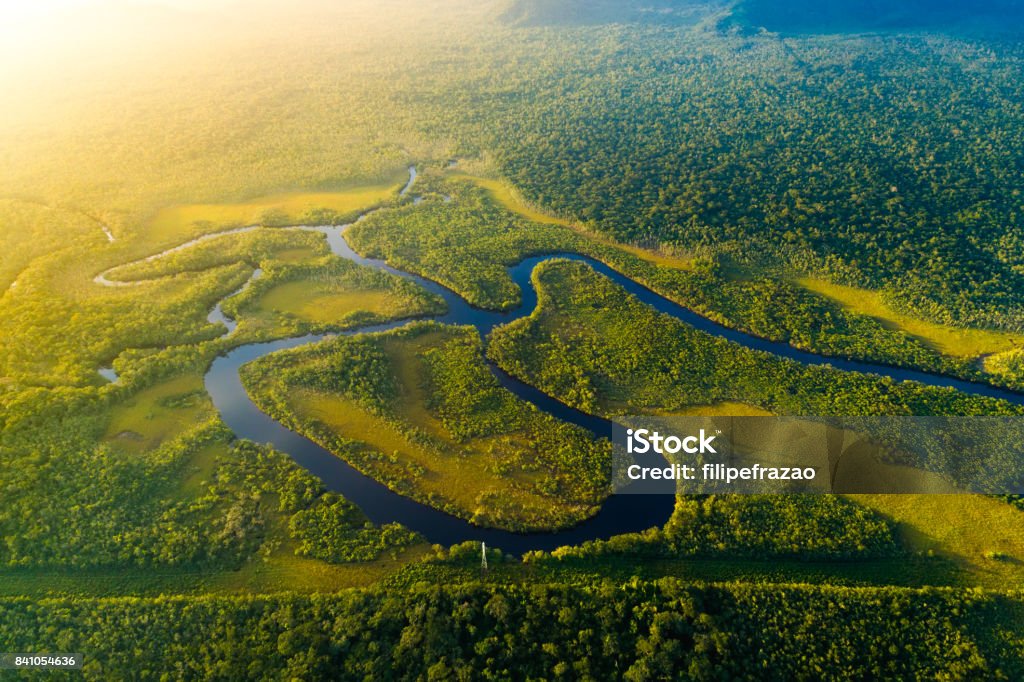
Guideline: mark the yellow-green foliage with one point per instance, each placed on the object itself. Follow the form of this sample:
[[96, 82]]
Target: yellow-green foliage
[[251, 247], [724, 409], [582, 346], [464, 243], [955, 341], [323, 294], [170, 296], [153, 479], [951, 526], [29, 230], [468, 228], [159, 146], [1009, 365], [754, 527], [60, 326], [321, 302], [157, 414], [199, 115], [298, 109], [294, 208]]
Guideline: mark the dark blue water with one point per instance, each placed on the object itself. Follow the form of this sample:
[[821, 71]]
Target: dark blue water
[[619, 514]]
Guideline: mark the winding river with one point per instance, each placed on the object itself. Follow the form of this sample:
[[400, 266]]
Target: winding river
[[619, 514]]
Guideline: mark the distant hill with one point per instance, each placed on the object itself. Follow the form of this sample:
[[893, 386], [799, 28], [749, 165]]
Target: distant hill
[[841, 16], [778, 16], [582, 12]]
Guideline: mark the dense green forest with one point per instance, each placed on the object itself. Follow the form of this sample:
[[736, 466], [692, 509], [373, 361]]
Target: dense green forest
[[762, 527], [633, 631], [863, 194], [763, 164], [196, 499]]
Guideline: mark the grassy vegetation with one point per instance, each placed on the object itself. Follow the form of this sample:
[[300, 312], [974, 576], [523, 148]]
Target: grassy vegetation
[[930, 539], [756, 527], [850, 181], [961, 342], [951, 526], [251, 247], [147, 475], [325, 294], [621, 564], [418, 409], [97, 324], [360, 119], [275, 571], [464, 243], [320, 302], [159, 413], [1008, 366], [181, 150], [171, 295], [277, 566], [295, 208], [154, 480], [723, 409]]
